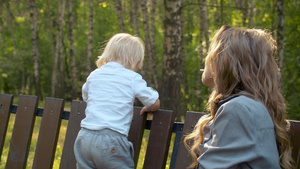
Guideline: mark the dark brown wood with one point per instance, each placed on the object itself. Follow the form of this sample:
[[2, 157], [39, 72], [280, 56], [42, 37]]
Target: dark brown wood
[[184, 158], [159, 139], [48, 134], [158, 142], [77, 113], [136, 132], [5, 107], [295, 141], [22, 132]]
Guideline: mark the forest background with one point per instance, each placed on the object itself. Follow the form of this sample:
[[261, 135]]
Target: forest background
[[48, 47]]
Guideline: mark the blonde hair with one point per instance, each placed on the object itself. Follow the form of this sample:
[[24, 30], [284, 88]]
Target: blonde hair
[[125, 49], [242, 59]]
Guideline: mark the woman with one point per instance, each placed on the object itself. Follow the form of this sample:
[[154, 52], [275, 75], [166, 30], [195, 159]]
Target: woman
[[246, 127]]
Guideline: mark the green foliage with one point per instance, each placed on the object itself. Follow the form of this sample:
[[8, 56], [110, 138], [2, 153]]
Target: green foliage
[[16, 63], [291, 69]]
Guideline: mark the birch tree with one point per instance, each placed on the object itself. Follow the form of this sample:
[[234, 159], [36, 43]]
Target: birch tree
[[35, 48], [72, 51], [148, 52], [152, 44], [244, 9], [50, 28], [10, 20], [171, 69], [1, 27], [90, 39], [135, 17], [280, 31], [62, 59], [251, 14], [118, 7], [184, 82], [203, 32], [61, 10]]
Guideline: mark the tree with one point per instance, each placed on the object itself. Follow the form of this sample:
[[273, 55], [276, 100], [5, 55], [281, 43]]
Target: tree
[[35, 48], [50, 27], [118, 7], [152, 44], [61, 11], [148, 52], [62, 59], [203, 32], [135, 16], [244, 9], [1, 28], [251, 14], [72, 51], [171, 70], [11, 25], [280, 31], [90, 39], [16, 56]]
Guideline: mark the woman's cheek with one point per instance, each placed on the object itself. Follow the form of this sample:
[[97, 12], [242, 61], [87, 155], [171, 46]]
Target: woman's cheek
[[207, 79]]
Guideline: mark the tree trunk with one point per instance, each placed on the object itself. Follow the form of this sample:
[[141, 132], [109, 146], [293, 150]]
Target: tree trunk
[[217, 14], [280, 32], [251, 14], [222, 20], [200, 56], [205, 24], [62, 59], [50, 26], [171, 68], [118, 7], [1, 28], [90, 40], [35, 48], [72, 51], [184, 82], [135, 17], [148, 53], [152, 44], [61, 9], [11, 25], [244, 10]]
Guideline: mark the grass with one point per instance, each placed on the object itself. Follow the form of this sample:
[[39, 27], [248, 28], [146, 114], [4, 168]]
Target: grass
[[60, 143]]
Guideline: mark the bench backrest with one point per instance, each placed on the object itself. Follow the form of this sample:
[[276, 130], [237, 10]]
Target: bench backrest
[[157, 148], [161, 127], [295, 141]]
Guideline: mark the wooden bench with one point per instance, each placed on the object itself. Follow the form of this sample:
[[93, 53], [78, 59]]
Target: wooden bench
[[161, 128]]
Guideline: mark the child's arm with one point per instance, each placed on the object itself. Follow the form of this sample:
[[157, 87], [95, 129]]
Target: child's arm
[[153, 107], [84, 92]]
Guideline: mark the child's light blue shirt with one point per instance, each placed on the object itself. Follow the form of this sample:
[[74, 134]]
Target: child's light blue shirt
[[110, 92]]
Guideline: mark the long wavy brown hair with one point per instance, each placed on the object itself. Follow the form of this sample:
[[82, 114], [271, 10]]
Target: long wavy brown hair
[[242, 59]]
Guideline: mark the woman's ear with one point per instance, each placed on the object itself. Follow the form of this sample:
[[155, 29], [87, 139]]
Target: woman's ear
[[207, 77]]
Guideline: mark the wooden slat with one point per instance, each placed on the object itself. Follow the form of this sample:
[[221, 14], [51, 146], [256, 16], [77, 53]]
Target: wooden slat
[[76, 115], [136, 132], [184, 158], [22, 132], [48, 134], [295, 141], [5, 107], [159, 139]]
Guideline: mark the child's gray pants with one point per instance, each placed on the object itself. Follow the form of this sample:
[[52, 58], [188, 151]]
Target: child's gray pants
[[103, 149]]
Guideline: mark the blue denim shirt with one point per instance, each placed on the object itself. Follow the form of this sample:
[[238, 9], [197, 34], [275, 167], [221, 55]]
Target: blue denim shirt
[[240, 136]]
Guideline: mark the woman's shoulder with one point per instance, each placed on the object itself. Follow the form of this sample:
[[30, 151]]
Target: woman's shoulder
[[247, 110], [243, 102]]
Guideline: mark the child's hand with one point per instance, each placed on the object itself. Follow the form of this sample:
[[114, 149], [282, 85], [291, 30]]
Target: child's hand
[[152, 108], [144, 109]]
